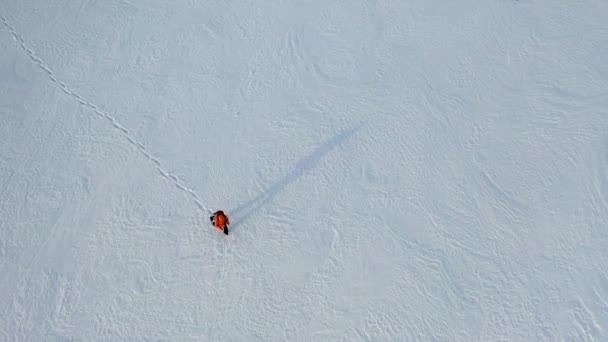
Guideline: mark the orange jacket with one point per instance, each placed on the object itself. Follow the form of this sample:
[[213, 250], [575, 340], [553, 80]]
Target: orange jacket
[[220, 220]]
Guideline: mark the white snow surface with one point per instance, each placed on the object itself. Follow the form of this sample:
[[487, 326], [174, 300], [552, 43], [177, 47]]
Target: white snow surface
[[393, 170]]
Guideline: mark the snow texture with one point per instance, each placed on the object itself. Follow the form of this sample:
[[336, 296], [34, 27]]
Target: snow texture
[[394, 170]]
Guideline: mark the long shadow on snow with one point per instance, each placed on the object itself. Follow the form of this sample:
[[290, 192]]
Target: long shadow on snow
[[300, 168]]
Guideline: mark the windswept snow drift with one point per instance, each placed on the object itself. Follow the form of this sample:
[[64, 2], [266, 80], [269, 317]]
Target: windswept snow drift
[[394, 170]]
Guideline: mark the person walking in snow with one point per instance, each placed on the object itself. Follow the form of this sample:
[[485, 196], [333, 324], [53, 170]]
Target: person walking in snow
[[220, 221]]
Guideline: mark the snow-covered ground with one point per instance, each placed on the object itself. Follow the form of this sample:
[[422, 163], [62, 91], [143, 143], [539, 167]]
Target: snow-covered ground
[[394, 170]]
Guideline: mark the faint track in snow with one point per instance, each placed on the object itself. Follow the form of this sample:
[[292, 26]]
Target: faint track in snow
[[104, 115]]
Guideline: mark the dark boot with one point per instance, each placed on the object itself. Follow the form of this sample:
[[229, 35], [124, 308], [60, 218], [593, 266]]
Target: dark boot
[[226, 230]]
